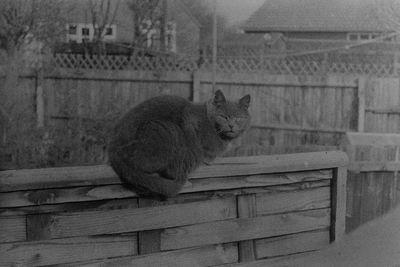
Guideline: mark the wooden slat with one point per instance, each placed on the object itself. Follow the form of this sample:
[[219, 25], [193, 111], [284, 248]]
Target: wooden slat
[[338, 197], [12, 228], [94, 193], [100, 175], [199, 257], [370, 166], [244, 229], [148, 241], [66, 250], [246, 209], [291, 244], [56, 177], [316, 198], [106, 204], [63, 195], [249, 181], [128, 220]]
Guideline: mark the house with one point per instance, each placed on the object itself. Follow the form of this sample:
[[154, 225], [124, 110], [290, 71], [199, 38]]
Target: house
[[345, 20], [182, 29]]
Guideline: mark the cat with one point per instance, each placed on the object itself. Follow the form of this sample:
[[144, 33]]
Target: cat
[[156, 144]]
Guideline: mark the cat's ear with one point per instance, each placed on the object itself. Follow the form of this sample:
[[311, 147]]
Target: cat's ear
[[245, 101], [219, 98]]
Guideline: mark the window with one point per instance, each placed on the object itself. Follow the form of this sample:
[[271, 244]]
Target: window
[[85, 31], [109, 31], [352, 37], [365, 36], [72, 29]]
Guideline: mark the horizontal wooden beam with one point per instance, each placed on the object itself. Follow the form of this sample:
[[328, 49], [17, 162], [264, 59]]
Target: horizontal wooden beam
[[280, 80], [290, 127], [370, 166], [15, 180], [383, 110]]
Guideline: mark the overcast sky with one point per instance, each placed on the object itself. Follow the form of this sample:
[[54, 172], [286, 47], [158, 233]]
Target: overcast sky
[[237, 10]]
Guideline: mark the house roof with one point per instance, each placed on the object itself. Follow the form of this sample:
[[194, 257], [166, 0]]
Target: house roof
[[316, 15]]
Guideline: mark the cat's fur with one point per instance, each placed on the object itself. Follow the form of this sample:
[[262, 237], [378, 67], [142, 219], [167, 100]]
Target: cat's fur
[[159, 142]]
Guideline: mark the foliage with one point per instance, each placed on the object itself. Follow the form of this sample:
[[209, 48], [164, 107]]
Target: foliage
[[147, 15]]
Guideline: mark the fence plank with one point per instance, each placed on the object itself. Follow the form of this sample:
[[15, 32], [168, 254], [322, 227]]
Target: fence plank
[[291, 244], [316, 198], [244, 229], [246, 209], [12, 228], [66, 250], [199, 257], [361, 104], [128, 220], [338, 198], [15, 180]]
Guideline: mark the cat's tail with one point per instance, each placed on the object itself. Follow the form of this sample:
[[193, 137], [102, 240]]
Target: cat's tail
[[146, 184]]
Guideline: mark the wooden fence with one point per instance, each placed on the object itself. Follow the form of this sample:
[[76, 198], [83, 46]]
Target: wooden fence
[[236, 211], [287, 110], [373, 182]]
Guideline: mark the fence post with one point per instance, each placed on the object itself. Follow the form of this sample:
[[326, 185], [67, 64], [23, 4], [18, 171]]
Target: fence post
[[196, 86], [338, 197], [361, 103], [39, 99]]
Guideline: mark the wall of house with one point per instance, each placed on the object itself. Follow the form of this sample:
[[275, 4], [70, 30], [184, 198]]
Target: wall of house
[[187, 29], [80, 13]]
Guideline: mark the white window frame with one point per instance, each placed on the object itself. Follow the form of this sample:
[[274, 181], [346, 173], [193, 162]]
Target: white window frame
[[79, 37]]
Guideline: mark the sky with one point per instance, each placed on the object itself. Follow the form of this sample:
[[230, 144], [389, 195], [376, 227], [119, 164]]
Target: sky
[[237, 11]]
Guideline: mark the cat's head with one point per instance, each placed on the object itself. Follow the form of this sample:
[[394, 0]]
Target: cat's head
[[230, 119]]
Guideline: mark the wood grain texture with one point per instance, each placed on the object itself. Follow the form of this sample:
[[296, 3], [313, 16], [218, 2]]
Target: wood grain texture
[[198, 257], [12, 228], [104, 192], [129, 203], [338, 224], [128, 220], [315, 198], [292, 244], [66, 250], [246, 205], [244, 229], [100, 175]]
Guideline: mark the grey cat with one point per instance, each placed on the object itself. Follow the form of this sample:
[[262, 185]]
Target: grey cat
[[160, 141]]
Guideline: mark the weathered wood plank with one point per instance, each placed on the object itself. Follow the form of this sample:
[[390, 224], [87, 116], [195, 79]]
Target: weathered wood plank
[[291, 244], [128, 203], [246, 205], [315, 198], [221, 183], [100, 175], [94, 193], [66, 250], [63, 195], [128, 220], [338, 199], [148, 241], [12, 228], [199, 257], [244, 229]]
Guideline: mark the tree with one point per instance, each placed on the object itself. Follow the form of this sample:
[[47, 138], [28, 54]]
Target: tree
[[147, 16], [24, 21], [103, 16], [204, 14]]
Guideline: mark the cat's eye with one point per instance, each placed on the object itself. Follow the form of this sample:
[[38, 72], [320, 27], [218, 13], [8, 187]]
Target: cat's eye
[[223, 117]]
